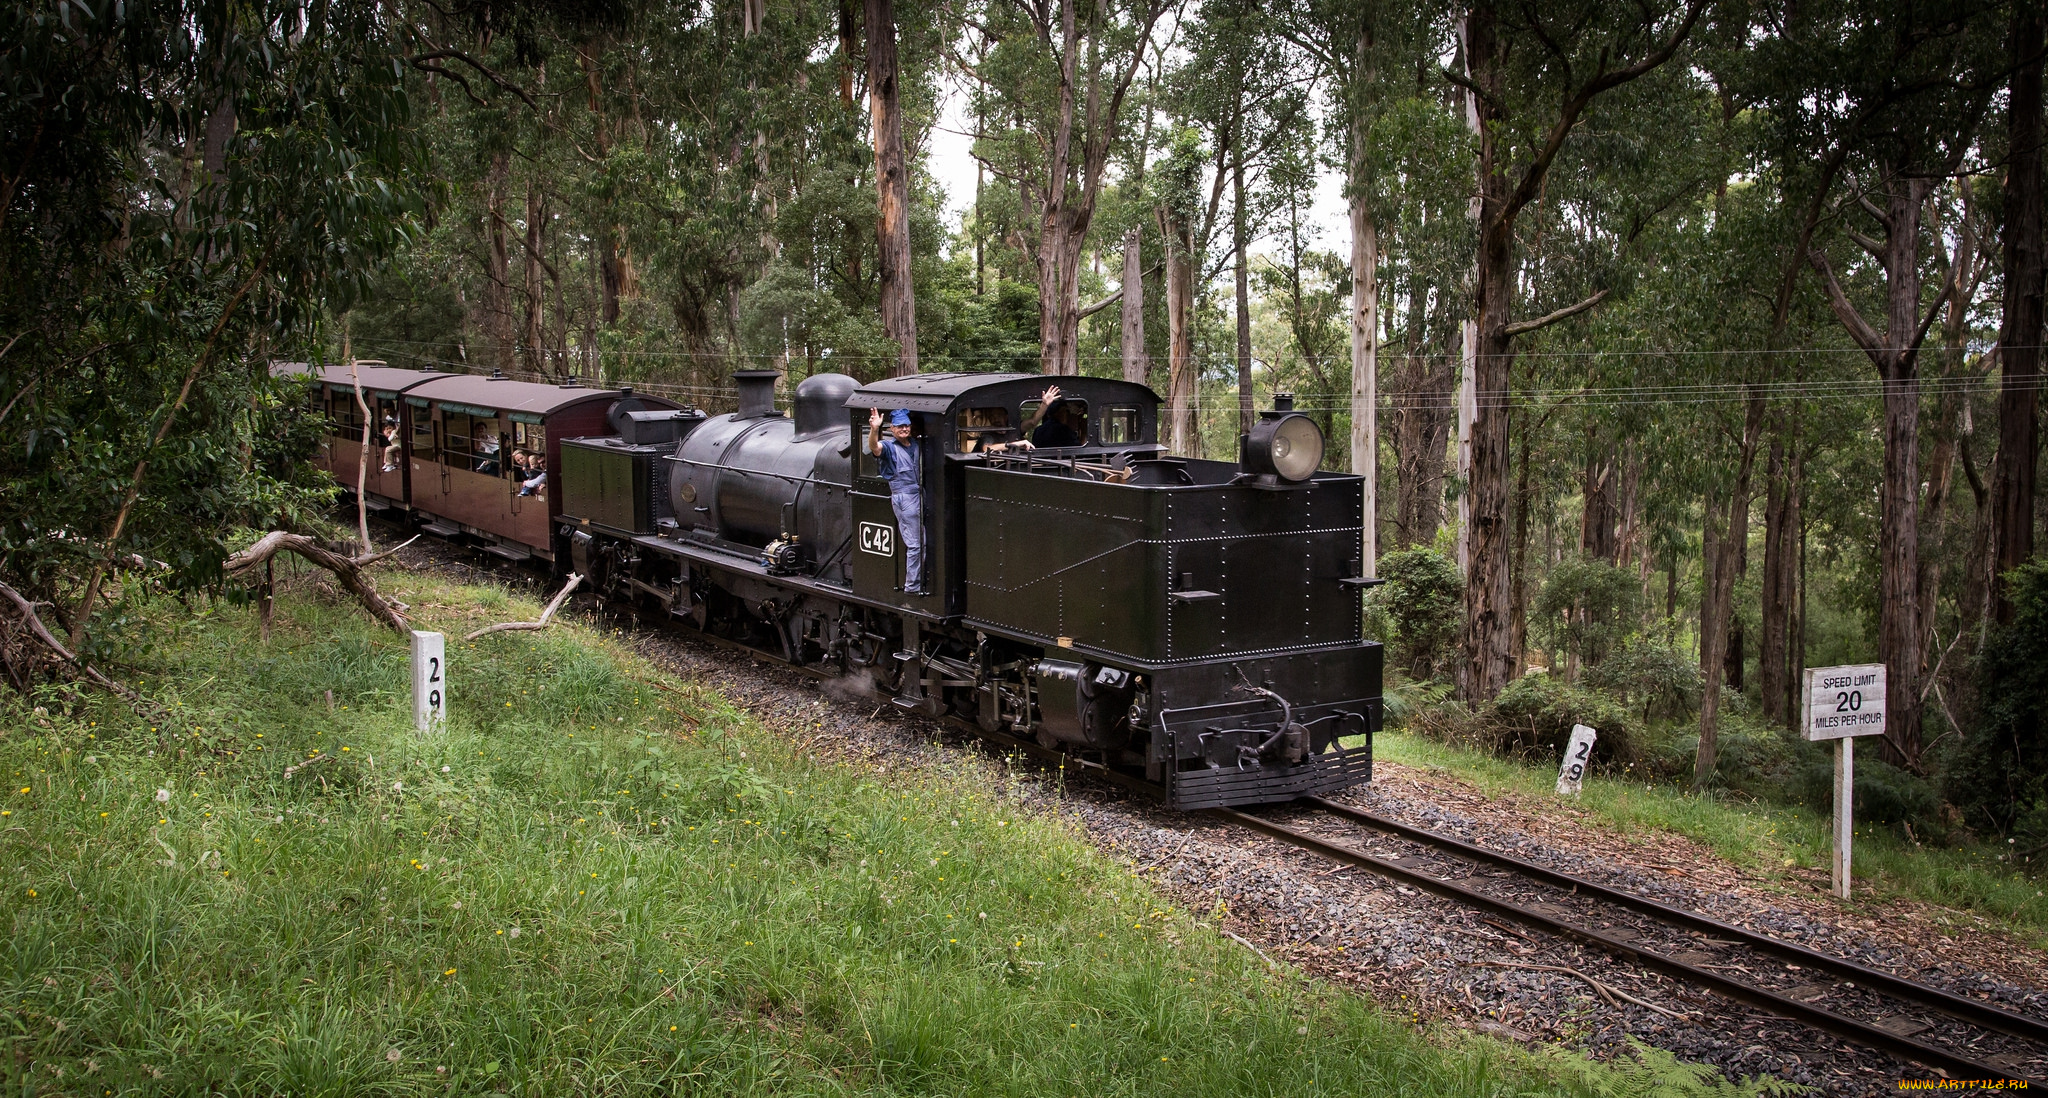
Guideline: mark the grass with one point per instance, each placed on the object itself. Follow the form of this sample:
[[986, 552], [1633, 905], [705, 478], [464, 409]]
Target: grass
[[1772, 839], [597, 880]]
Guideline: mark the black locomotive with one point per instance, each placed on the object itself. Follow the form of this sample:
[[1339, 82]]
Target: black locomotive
[[1196, 622]]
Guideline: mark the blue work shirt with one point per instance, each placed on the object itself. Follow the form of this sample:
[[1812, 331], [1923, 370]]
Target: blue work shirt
[[900, 465]]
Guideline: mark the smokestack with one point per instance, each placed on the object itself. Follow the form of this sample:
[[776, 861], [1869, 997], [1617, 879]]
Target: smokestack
[[757, 393]]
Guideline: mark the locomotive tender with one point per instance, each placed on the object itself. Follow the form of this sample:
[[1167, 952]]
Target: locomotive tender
[[1196, 622]]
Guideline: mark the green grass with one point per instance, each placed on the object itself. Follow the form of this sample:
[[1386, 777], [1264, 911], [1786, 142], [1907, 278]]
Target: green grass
[[1771, 839], [598, 880]]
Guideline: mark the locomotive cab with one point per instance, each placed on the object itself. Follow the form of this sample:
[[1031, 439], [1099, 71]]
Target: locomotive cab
[[964, 421]]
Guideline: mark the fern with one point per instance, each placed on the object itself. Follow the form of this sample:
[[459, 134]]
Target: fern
[[1655, 1073]]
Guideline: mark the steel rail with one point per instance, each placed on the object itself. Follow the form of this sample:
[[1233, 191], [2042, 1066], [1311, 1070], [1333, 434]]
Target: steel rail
[[1828, 1021], [1953, 1005]]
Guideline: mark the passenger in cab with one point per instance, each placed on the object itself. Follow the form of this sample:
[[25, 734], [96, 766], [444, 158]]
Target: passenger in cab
[[900, 456], [1057, 422], [536, 476]]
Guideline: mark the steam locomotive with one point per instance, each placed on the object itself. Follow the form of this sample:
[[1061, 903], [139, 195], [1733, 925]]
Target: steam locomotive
[[1194, 623]]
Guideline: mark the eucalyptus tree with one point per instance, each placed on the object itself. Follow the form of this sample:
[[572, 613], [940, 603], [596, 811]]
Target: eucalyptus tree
[[1890, 100], [184, 183], [1243, 88], [1373, 56], [1053, 88], [2021, 328], [1533, 73]]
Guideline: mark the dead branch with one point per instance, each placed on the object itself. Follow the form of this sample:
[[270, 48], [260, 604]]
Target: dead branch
[[349, 570], [1606, 992], [365, 562], [309, 764], [143, 707], [510, 626]]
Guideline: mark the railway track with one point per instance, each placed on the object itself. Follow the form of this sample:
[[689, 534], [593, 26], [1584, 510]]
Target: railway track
[[1966, 1038], [1963, 1037]]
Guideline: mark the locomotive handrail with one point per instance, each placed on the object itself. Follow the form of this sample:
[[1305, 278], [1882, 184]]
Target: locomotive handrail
[[755, 472]]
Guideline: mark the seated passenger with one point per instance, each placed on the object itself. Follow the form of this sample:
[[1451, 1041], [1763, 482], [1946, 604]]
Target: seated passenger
[[1056, 423], [487, 456], [537, 476]]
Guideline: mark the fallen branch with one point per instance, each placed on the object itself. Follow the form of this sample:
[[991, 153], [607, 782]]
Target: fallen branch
[[562, 596], [1270, 963], [309, 764], [349, 570], [1607, 994]]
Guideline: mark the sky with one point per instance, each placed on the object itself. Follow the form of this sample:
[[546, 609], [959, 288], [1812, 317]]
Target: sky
[[952, 165]]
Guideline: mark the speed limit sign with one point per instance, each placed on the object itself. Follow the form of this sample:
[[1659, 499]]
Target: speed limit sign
[[1841, 704], [1844, 701]]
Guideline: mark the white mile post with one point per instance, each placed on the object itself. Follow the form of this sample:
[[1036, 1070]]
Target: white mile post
[[1841, 704], [429, 680], [1572, 771]]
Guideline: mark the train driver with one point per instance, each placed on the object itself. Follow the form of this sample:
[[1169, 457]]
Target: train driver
[[1057, 422], [900, 456]]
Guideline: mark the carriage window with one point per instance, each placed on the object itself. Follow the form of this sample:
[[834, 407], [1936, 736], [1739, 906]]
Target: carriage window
[[530, 437], [978, 428], [1119, 424], [455, 445], [422, 431], [346, 419]]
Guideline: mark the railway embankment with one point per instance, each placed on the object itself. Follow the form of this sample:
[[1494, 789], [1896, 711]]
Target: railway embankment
[[602, 877]]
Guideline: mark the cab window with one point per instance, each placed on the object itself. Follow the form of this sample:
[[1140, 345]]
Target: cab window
[[1119, 424], [1065, 426], [975, 429]]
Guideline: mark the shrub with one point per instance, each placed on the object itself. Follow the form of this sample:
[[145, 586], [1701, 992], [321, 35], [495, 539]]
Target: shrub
[[1534, 716], [2001, 772], [1424, 600], [1586, 609], [1655, 679]]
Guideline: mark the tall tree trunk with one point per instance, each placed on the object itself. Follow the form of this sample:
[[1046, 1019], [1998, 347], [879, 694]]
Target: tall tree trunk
[[1059, 292], [2020, 331], [1799, 621], [1725, 537], [1895, 352], [1596, 492], [1137, 364], [498, 275], [1628, 507], [1365, 327], [849, 45], [1180, 345], [535, 289], [1518, 566], [1488, 616], [1771, 669], [892, 188], [1409, 403], [1239, 239]]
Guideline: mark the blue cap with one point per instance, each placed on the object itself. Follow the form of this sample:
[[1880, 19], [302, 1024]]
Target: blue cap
[[899, 418]]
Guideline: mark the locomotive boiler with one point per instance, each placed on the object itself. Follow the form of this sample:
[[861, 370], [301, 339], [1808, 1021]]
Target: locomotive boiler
[[1197, 623]]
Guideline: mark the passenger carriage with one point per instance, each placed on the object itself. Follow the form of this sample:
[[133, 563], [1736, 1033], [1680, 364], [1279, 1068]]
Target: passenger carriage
[[457, 435]]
